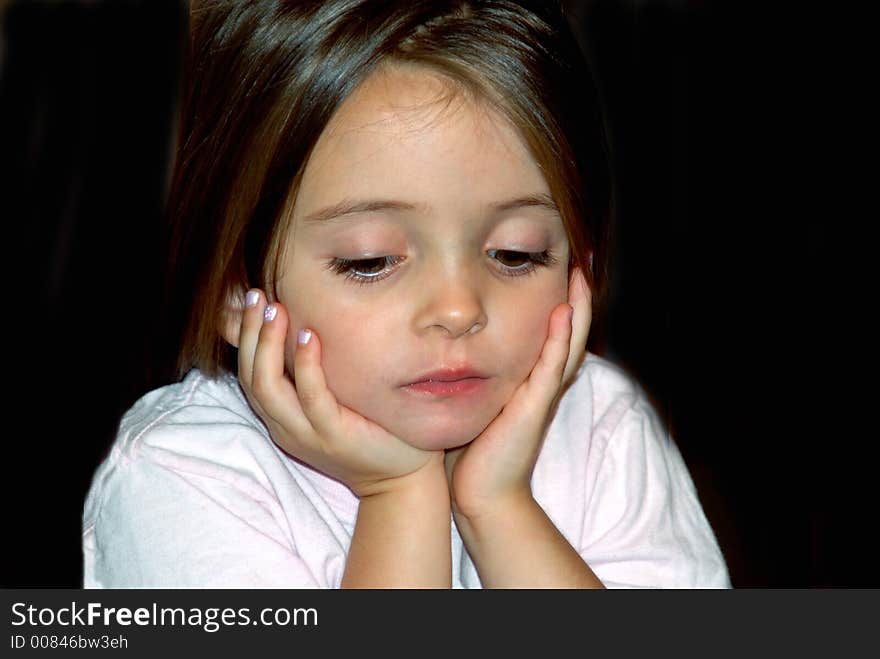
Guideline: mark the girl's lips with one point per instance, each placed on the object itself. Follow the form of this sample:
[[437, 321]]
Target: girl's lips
[[447, 388], [448, 375]]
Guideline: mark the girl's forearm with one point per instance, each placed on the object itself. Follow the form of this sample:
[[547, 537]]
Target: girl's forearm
[[402, 536], [517, 546]]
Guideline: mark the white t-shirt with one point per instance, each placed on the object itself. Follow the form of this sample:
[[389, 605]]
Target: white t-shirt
[[194, 493]]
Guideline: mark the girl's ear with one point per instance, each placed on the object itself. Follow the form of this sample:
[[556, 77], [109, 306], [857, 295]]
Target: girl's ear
[[232, 311]]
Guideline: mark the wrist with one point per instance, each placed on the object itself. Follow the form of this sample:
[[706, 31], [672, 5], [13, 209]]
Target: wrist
[[502, 510], [429, 479], [516, 545]]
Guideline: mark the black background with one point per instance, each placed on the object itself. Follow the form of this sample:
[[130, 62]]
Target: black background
[[722, 292]]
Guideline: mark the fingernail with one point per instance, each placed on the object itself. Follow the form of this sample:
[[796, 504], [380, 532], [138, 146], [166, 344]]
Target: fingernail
[[304, 336], [269, 313], [251, 298]]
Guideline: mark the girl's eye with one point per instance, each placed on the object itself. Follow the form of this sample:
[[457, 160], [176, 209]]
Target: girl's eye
[[369, 271], [521, 263], [365, 271]]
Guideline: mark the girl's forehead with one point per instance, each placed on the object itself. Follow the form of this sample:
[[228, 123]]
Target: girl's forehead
[[399, 96], [411, 134], [404, 106]]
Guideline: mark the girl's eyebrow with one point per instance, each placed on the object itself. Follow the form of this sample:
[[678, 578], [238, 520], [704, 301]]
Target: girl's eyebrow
[[347, 207]]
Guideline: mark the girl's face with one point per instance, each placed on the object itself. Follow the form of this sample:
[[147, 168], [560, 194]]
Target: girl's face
[[423, 239]]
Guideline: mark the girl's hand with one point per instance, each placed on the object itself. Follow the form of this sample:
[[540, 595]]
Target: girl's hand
[[496, 467], [306, 420]]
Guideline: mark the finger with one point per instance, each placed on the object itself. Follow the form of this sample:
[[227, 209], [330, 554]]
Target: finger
[[317, 401], [249, 333], [271, 387], [580, 299], [546, 377]]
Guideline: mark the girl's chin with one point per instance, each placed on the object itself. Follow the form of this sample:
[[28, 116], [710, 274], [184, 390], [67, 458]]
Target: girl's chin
[[437, 431], [438, 439], [438, 443]]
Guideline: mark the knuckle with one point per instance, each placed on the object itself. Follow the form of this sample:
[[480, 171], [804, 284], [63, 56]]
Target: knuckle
[[308, 398], [260, 386]]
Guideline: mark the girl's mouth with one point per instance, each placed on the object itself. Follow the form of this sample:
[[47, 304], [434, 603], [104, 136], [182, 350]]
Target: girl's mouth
[[447, 388]]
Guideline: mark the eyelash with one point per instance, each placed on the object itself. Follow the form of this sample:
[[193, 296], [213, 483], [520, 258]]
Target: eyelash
[[347, 267]]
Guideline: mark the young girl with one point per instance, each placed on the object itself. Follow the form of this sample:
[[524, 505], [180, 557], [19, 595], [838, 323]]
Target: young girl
[[389, 227]]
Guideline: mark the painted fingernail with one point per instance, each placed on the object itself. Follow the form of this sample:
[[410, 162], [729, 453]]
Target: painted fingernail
[[251, 298], [304, 336], [269, 313]]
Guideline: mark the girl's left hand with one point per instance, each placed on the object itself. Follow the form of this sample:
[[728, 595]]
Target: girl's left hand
[[496, 467]]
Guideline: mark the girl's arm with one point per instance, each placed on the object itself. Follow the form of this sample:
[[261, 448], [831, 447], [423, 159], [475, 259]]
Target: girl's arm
[[517, 546], [401, 538]]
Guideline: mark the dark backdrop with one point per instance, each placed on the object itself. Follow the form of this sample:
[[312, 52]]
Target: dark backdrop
[[718, 285]]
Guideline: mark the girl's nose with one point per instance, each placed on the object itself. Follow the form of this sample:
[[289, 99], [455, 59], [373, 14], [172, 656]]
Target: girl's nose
[[453, 307]]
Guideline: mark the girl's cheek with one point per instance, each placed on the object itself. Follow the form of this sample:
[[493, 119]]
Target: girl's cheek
[[537, 332]]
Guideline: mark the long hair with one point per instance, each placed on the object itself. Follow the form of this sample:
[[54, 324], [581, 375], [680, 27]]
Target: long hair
[[261, 82]]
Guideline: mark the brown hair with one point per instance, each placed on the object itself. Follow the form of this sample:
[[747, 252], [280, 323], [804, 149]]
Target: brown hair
[[262, 80]]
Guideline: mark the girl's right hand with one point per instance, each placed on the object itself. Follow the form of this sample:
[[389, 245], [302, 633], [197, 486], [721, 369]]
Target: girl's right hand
[[306, 420]]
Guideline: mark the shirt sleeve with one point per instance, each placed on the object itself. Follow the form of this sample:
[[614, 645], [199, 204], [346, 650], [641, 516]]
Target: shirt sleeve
[[189, 525], [644, 526]]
